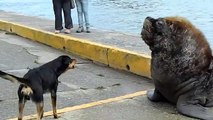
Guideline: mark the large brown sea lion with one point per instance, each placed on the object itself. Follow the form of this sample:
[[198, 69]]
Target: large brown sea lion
[[180, 65]]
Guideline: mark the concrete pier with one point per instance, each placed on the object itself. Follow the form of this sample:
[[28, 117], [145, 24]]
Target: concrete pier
[[107, 84]]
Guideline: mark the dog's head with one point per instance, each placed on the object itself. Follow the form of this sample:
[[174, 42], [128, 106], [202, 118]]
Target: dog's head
[[67, 62]]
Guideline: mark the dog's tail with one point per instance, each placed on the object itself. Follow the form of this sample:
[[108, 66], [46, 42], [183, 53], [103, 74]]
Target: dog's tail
[[12, 78]]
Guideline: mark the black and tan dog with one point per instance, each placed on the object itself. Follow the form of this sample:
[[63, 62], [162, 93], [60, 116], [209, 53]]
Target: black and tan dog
[[40, 80]]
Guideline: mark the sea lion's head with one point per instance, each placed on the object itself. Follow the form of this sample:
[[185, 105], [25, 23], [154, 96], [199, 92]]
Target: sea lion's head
[[171, 32], [176, 40], [153, 28]]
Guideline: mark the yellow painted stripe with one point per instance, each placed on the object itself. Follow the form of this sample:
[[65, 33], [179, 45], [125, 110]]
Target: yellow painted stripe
[[87, 105]]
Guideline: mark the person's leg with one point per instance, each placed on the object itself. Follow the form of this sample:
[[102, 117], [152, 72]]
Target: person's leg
[[67, 15], [85, 12], [80, 15], [58, 16]]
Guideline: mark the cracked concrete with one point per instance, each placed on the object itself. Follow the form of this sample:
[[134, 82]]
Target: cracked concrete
[[87, 83]]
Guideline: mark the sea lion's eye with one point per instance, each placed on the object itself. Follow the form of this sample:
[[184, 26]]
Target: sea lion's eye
[[159, 27], [159, 24]]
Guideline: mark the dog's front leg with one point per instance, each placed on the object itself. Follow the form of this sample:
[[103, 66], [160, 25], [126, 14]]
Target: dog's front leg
[[53, 98], [40, 110]]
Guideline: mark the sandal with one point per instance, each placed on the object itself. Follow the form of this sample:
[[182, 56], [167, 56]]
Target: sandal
[[67, 31]]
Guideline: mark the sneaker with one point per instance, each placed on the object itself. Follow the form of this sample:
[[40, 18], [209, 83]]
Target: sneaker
[[87, 30], [80, 29], [57, 31], [67, 31]]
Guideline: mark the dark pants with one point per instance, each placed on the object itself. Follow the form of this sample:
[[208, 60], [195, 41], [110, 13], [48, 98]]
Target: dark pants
[[58, 6]]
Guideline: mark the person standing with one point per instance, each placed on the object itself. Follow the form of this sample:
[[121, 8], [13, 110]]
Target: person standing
[[82, 10], [58, 6]]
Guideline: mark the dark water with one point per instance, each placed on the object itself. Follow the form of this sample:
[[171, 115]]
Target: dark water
[[125, 15]]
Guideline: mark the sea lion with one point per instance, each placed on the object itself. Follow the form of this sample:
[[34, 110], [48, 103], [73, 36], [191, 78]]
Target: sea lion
[[180, 66]]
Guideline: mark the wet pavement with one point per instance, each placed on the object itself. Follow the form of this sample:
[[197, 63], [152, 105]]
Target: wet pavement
[[88, 83]]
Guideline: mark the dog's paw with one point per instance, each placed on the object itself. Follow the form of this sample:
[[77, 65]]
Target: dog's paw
[[19, 118], [55, 116]]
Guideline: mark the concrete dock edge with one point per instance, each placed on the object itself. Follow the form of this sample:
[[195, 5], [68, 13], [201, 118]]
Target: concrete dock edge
[[111, 56]]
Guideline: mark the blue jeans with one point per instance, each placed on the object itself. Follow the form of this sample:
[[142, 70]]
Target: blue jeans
[[82, 9]]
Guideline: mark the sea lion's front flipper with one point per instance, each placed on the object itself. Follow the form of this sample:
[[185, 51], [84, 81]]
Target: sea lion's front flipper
[[155, 96], [193, 109]]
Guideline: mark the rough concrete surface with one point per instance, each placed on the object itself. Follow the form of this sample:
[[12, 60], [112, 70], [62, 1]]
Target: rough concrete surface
[[83, 87], [89, 82]]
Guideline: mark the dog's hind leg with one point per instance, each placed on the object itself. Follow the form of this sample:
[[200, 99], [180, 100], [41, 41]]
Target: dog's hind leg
[[21, 108], [53, 98], [40, 110], [21, 102]]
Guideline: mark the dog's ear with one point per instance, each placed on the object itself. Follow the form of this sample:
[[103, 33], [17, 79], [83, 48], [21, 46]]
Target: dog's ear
[[66, 60]]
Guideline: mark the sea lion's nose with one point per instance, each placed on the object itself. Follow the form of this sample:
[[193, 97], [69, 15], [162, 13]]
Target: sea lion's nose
[[150, 19]]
